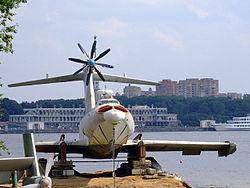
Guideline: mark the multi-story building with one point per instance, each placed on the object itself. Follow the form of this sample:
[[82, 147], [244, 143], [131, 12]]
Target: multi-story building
[[153, 116], [192, 87], [68, 119], [167, 87], [208, 87], [188, 87], [132, 91], [149, 92], [49, 118]]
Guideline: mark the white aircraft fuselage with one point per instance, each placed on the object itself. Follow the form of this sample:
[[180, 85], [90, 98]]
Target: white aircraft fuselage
[[96, 128]]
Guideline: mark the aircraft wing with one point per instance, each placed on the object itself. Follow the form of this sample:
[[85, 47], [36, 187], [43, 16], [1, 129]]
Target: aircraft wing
[[187, 147], [19, 163], [53, 147], [79, 77]]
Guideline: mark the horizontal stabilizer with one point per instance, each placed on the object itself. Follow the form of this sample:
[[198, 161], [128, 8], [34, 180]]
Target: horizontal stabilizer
[[122, 79], [58, 79], [19, 163], [78, 77]]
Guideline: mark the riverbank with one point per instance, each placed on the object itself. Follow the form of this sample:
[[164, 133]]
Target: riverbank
[[137, 129]]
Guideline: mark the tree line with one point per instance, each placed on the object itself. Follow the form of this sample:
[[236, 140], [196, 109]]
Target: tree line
[[189, 110]]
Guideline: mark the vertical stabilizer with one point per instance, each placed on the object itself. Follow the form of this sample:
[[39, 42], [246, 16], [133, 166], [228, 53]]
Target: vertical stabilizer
[[89, 95]]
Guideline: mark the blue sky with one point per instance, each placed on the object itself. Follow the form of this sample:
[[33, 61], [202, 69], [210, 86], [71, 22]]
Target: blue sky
[[150, 39]]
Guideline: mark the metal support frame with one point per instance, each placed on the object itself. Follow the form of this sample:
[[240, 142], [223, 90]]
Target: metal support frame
[[113, 154], [14, 179]]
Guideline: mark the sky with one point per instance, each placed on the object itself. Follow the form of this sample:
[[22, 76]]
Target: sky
[[149, 39]]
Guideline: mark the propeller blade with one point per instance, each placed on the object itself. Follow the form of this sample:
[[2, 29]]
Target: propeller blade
[[50, 162], [102, 54], [77, 60], [88, 76], [100, 75], [93, 50], [83, 51], [105, 65], [78, 71]]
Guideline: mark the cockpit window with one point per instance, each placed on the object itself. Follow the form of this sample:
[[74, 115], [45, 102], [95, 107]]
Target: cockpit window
[[104, 108], [121, 108]]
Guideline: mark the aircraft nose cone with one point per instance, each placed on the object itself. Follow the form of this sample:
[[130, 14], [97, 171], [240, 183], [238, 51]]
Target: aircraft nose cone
[[114, 115]]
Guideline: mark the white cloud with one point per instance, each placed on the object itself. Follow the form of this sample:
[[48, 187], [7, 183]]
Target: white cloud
[[195, 9], [172, 40], [110, 28]]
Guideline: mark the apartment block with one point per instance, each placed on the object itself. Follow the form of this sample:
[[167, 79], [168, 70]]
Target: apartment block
[[167, 87], [192, 87], [132, 91], [209, 87]]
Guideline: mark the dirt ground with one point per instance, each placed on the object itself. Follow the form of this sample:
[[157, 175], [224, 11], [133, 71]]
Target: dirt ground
[[136, 182], [99, 180], [167, 181]]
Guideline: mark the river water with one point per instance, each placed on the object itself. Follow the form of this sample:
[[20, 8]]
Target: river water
[[204, 171]]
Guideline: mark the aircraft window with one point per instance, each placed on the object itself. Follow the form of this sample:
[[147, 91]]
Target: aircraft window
[[105, 108], [121, 108]]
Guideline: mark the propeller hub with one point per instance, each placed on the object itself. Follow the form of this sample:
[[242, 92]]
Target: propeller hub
[[91, 62]]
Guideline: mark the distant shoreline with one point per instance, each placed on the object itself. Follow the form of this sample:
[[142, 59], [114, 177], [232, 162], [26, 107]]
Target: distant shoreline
[[137, 129]]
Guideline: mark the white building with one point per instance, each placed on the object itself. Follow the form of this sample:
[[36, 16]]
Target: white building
[[69, 118], [153, 116], [49, 118], [207, 123]]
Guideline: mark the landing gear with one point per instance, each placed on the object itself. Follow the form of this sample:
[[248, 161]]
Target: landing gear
[[138, 162], [62, 167]]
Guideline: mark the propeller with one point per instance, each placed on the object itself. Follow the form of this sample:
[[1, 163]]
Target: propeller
[[90, 63]]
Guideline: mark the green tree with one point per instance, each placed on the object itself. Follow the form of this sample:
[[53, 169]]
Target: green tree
[[7, 30], [7, 27], [1, 110], [10, 107]]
